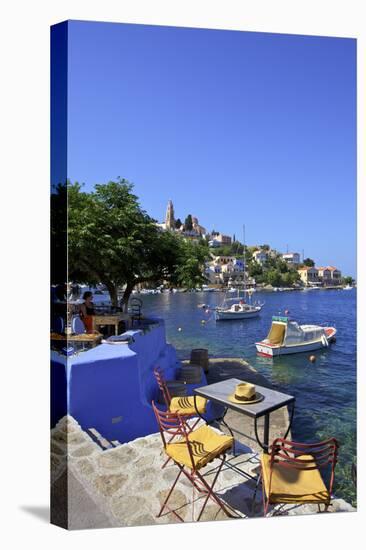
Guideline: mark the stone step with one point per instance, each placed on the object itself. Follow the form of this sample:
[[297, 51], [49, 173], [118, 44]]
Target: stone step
[[102, 441]]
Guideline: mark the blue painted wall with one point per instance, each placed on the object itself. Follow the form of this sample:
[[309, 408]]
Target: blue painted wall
[[112, 381]]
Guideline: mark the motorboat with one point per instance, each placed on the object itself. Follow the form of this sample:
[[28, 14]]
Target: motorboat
[[240, 307], [287, 336], [348, 287]]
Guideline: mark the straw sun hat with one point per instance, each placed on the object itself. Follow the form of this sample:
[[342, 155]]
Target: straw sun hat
[[245, 393]]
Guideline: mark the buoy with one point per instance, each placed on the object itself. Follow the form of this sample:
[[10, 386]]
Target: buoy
[[203, 321], [179, 329], [312, 358]]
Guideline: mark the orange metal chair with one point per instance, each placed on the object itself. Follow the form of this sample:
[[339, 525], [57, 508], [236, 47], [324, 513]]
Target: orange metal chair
[[291, 472], [191, 451]]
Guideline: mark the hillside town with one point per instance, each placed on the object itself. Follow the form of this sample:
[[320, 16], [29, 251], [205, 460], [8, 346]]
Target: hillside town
[[229, 263]]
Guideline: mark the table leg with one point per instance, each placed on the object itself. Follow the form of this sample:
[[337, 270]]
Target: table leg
[[291, 419], [265, 443], [266, 433]]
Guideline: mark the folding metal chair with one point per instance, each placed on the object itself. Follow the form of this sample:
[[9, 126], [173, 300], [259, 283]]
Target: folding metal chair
[[186, 406], [191, 451], [292, 472]]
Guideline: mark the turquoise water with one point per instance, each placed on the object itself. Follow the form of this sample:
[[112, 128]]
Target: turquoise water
[[325, 391]]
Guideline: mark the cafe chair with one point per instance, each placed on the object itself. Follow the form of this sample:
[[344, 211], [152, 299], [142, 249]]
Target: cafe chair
[[294, 473], [186, 406], [191, 451]]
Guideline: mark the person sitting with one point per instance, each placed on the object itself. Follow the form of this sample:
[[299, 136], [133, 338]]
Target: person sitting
[[87, 311]]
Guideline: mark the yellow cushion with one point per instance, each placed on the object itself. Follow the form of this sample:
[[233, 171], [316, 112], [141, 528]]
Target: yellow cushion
[[185, 405], [291, 485], [206, 444]]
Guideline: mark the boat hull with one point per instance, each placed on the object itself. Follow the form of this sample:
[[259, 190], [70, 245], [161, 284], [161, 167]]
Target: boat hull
[[231, 315], [267, 350]]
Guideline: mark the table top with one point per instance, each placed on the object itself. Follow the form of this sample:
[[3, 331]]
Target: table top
[[112, 317], [220, 391]]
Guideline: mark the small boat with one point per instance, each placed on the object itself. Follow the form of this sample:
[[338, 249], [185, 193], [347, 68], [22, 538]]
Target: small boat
[[240, 307], [348, 287], [287, 336]]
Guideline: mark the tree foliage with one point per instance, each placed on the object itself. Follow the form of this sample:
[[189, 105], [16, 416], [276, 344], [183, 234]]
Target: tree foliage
[[188, 224], [309, 262], [112, 240]]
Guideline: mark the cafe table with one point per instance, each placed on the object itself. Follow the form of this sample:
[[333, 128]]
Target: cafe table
[[272, 401], [111, 319]]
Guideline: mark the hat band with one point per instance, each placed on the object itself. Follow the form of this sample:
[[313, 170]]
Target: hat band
[[240, 398]]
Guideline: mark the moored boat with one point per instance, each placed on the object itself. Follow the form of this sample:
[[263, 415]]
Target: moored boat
[[240, 307], [237, 311], [287, 336]]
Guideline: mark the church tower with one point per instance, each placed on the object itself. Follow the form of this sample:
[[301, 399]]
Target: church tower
[[169, 218]]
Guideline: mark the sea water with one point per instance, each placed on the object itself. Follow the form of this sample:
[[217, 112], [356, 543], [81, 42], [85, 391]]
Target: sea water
[[325, 390]]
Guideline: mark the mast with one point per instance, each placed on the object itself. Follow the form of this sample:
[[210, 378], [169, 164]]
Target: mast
[[244, 256]]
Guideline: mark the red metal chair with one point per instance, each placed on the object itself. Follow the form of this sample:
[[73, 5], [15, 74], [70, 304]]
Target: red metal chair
[[291, 472], [191, 451], [187, 406]]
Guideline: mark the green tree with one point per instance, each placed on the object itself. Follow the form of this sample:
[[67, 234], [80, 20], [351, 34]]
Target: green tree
[[113, 241], [223, 251], [348, 280], [188, 225], [255, 269], [178, 223], [190, 265], [309, 262], [273, 277], [237, 248]]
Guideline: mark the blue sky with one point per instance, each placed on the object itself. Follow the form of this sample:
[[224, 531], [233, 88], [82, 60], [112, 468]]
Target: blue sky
[[234, 127]]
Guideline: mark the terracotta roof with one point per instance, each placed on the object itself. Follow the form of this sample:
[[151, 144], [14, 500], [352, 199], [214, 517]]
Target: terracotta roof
[[306, 268], [329, 267]]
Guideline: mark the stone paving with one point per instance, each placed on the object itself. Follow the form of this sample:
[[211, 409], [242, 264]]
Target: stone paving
[[125, 485]]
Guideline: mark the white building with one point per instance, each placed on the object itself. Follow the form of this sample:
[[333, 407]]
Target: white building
[[260, 256], [291, 258]]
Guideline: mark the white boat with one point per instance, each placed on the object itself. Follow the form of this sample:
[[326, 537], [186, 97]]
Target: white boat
[[237, 310], [240, 307], [287, 336], [348, 287]]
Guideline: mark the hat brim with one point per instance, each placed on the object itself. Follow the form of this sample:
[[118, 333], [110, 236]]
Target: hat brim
[[257, 397]]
